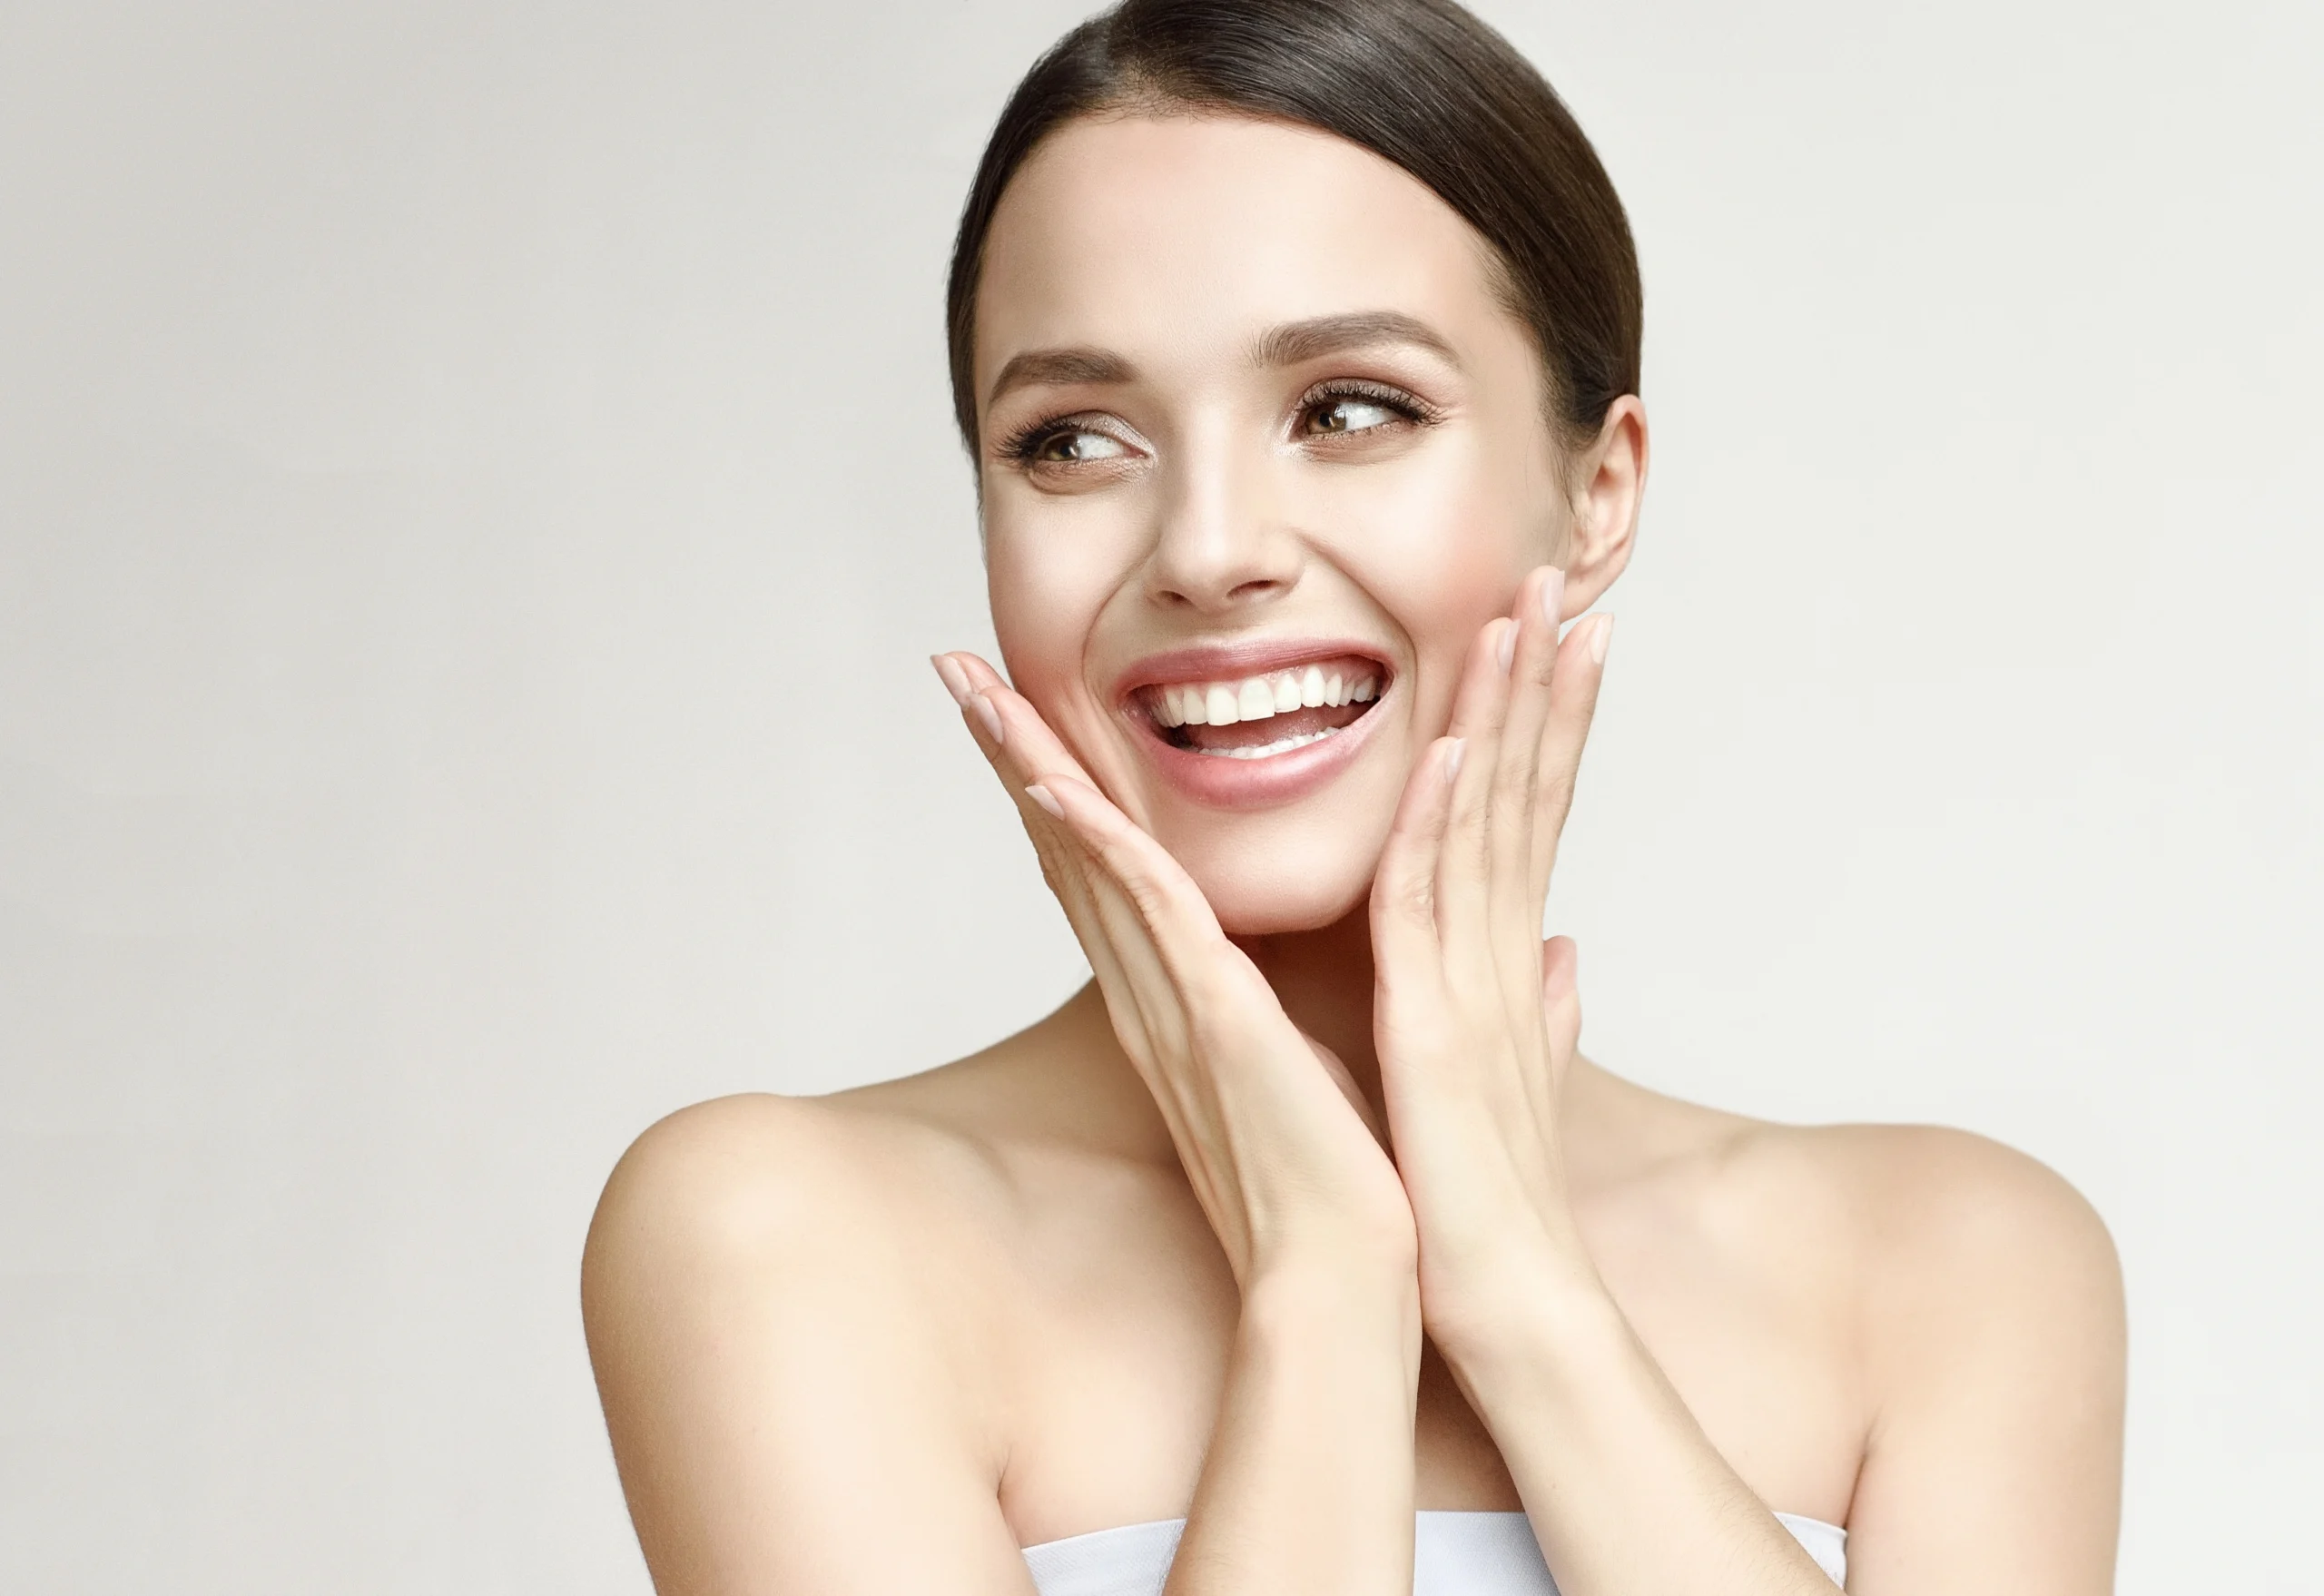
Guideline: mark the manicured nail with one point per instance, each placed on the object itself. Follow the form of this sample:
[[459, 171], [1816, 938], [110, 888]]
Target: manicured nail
[[1045, 799], [987, 717], [956, 680], [1554, 597], [1453, 760], [1598, 636], [1508, 644]]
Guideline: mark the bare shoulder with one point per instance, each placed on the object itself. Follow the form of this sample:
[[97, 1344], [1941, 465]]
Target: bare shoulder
[[787, 1308], [1926, 1230], [1926, 1214], [754, 1164], [1982, 1305], [859, 1192]]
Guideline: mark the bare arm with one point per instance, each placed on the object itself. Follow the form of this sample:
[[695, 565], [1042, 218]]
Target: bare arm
[[1308, 1483], [1994, 1327], [785, 1423], [1993, 1332]]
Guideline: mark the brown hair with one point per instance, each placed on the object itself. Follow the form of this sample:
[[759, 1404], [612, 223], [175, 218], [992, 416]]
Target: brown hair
[[1420, 82]]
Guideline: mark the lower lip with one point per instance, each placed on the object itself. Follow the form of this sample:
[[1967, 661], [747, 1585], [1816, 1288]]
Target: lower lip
[[1221, 781]]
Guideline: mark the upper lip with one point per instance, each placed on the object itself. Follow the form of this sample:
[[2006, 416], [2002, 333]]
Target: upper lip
[[1228, 661]]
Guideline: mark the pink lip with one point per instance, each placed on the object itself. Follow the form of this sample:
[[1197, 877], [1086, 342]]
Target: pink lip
[[1221, 782]]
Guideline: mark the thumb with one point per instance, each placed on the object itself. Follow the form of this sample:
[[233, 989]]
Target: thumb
[[1342, 1078], [1561, 1001]]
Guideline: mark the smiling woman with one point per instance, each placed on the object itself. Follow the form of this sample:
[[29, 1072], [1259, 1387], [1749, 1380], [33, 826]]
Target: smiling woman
[[1297, 347]]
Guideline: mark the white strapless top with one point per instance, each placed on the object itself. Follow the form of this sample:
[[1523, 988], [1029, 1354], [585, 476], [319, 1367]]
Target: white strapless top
[[1454, 1554]]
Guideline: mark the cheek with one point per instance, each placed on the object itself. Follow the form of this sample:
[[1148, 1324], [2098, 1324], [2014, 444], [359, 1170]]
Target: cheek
[[1047, 595], [1043, 600], [1442, 543]]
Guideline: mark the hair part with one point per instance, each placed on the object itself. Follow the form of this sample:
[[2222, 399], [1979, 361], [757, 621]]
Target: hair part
[[1419, 83]]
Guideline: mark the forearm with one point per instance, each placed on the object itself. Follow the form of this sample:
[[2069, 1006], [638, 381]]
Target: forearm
[[1626, 1493], [1308, 1486]]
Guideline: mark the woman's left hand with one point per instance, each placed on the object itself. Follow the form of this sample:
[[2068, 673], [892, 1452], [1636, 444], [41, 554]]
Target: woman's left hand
[[1476, 1019]]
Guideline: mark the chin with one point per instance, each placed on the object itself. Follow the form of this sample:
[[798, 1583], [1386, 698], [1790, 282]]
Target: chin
[[1258, 888]]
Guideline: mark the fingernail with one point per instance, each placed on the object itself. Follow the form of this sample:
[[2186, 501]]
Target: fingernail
[[1453, 760], [1508, 644], [1554, 597], [1598, 636], [987, 717], [1045, 799], [955, 679]]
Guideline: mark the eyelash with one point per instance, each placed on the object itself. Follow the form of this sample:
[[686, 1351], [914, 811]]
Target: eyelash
[[1396, 401], [1023, 445]]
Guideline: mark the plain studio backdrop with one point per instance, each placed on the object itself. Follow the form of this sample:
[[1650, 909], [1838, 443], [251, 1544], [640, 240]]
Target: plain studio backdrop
[[476, 495]]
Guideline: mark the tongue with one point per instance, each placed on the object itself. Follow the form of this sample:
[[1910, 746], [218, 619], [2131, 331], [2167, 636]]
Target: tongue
[[1274, 728]]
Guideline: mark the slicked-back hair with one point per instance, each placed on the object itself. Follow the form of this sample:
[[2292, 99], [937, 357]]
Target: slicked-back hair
[[1420, 82]]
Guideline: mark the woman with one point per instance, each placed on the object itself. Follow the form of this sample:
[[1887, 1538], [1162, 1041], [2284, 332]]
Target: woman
[[1296, 345]]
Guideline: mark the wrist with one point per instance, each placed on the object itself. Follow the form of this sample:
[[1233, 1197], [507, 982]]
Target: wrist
[[1331, 1252], [1507, 1304], [1304, 1300]]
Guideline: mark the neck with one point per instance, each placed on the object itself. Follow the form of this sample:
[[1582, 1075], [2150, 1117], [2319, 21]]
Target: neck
[[1322, 978]]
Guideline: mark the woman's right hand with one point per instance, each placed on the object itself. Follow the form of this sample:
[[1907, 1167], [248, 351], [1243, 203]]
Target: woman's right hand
[[1280, 1147]]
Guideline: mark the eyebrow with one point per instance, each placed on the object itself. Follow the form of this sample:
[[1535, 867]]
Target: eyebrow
[[1059, 367], [1296, 341], [1287, 345]]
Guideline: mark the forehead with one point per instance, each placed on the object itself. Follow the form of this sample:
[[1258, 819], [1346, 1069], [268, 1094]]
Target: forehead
[[1168, 236]]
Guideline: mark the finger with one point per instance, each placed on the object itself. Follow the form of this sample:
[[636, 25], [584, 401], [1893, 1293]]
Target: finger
[[1170, 908], [1195, 985], [972, 682], [1143, 1027], [990, 708], [1336, 1067], [1573, 700], [1541, 600], [972, 668], [1480, 711], [1560, 1007], [1404, 888], [1142, 992]]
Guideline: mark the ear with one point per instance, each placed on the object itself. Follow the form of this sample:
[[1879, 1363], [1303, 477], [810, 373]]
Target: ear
[[1609, 479]]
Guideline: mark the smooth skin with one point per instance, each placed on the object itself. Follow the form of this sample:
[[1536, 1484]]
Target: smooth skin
[[1308, 1211]]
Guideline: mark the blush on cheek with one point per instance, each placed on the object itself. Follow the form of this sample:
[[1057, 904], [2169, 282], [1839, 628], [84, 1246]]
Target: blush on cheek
[[1440, 607], [1041, 617]]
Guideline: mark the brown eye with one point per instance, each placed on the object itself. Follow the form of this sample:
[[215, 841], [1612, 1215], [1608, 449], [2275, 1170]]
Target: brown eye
[[1334, 418], [1076, 445]]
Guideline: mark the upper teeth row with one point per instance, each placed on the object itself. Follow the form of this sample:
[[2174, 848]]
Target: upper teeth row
[[1222, 703]]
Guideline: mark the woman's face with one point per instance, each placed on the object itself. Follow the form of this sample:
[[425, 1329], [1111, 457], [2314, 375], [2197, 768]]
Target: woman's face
[[1260, 450]]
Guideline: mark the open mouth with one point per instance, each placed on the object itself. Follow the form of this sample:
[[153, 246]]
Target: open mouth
[[1260, 716]]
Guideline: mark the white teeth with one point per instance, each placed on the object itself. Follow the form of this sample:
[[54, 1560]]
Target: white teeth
[[1254, 698], [1280, 745]]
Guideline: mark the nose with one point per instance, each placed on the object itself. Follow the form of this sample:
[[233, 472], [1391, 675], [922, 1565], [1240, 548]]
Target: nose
[[1222, 544]]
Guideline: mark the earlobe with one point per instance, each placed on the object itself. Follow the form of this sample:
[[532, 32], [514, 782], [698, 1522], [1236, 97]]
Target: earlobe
[[1606, 504]]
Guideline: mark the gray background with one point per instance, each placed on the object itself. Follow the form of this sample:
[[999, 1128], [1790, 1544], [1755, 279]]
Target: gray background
[[476, 491]]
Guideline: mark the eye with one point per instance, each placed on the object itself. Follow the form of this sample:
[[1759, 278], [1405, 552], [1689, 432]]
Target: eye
[[1068, 446], [1058, 444], [1351, 409], [1335, 417]]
